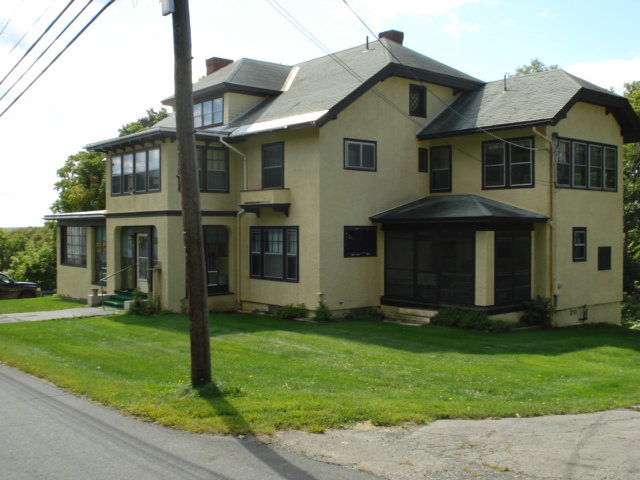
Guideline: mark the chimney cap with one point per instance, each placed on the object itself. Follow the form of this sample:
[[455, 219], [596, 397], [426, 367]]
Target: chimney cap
[[393, 35]]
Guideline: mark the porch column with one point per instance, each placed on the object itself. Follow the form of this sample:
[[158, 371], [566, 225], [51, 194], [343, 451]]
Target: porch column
[[485, 268]]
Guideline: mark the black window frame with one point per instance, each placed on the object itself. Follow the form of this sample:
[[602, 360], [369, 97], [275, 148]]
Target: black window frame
[[259, 253], [510, 150], [203, 173], [512, 279], [216, 256], [267, 182], [361, 143], [436, 168], [126, 181], [423, 160], [74, 246], [200, 117], [577, 166], [100, 254], [417, 101], [360, 241], [579, 249]]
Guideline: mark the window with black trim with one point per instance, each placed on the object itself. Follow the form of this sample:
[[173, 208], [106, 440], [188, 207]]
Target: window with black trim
[[274, 253], [208, 113], [579, 244], [508, 164], [100, 254], [423, 160], [604, 258], [137, 171], [360, 241], [74, 246], [440, 169], [586, 165], [213, 169], [273, 165], [216, 255], [359, 154], [417, 101]]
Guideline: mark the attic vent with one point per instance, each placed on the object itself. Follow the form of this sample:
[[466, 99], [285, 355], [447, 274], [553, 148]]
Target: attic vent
[[216, 63], [393, 35]]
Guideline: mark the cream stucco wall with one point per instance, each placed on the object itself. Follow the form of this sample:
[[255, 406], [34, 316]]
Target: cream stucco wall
[[77, 281]]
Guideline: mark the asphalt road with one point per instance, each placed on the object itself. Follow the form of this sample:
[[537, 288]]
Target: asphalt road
[[46, 433]]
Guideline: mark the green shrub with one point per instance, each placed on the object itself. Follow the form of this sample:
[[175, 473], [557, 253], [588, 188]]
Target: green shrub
[[631, 312], [369, 314], [291, 311], [322, 314], [468, 319], [143, 306], [539, 311]]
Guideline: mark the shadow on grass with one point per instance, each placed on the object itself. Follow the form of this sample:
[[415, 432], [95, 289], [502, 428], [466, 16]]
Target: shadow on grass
[[423, 339], [236, 423]]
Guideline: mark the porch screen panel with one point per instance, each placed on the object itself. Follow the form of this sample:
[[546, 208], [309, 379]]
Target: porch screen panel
[[399, 260], [512, 267], [457, 268], [427, 267], [127, 257]]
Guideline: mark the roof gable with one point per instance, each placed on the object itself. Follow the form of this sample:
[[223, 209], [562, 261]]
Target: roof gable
[[539, 99]]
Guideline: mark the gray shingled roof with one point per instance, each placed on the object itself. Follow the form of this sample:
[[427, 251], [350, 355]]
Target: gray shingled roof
[[456, 209], [538, 99]]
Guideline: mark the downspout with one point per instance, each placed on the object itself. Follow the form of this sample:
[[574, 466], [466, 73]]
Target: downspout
[[231, 147], [552, 225], [238, 247]]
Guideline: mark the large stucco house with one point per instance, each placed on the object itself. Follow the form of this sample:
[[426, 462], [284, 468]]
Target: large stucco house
[[374, 177]]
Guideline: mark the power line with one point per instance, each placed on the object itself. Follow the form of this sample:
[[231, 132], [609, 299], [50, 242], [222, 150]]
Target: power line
[[33, 25], [59, 54], [36, 42]]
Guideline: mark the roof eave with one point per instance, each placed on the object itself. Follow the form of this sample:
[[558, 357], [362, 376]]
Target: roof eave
[[487, 128]]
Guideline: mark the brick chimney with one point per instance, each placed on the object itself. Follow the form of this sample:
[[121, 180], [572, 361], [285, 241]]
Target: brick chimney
[[393, 35], [216, 63]]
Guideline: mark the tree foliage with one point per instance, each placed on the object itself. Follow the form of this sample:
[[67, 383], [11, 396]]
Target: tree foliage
[[29, 254], [632, 199], [81, 184], [536, 66], [143, 123]]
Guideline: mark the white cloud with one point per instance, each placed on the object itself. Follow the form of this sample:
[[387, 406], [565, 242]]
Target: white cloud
[[456, 29], [608, 73], [544, 14]]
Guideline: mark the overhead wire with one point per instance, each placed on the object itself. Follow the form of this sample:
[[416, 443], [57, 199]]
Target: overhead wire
[[38, 40], [9, 18], [104, 7], [33, 25]]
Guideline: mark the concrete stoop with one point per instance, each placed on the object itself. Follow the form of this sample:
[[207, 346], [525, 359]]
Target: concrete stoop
[[412, 316]]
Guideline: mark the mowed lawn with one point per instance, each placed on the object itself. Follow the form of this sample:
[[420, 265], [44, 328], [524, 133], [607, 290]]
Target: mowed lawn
[[273, 374], [40, 304]]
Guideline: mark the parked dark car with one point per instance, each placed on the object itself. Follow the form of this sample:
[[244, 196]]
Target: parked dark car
[[11, 289]]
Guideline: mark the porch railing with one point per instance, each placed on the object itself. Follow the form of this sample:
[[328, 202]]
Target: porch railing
[[103, 280]]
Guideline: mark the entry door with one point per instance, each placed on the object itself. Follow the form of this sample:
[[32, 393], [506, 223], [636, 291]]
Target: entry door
[[142, 247]]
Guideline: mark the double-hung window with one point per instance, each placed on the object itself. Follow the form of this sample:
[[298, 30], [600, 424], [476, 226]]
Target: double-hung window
[[136, 172], [208, 113], [74, 246], [359, 155], [274, 253], [273, 165], [440, 169], [586, 165], [213, 169], [508, 164], [579, 244]]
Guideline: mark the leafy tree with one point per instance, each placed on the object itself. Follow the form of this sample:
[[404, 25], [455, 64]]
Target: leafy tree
[[36, 260], [143, 123], [536, 66], [81, 184], [632, 199]]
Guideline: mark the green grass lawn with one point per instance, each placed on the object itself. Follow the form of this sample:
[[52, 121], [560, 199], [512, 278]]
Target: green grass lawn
[[272, 374], [41, 304]]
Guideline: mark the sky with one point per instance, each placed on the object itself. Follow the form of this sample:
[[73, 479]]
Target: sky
[[122, 64]]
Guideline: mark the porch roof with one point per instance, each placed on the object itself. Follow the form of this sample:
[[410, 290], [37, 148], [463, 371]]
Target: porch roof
[[457, 209]]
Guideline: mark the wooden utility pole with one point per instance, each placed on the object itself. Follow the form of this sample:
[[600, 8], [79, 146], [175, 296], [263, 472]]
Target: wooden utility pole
[[191, 213]]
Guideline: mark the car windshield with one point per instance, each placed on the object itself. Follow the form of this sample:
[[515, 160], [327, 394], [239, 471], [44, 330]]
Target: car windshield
[[5, 279]]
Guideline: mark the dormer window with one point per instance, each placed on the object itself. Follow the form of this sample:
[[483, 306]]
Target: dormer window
[[207, 113]]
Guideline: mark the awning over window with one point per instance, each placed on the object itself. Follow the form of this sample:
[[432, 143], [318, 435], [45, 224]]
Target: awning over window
[[456, 209]]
